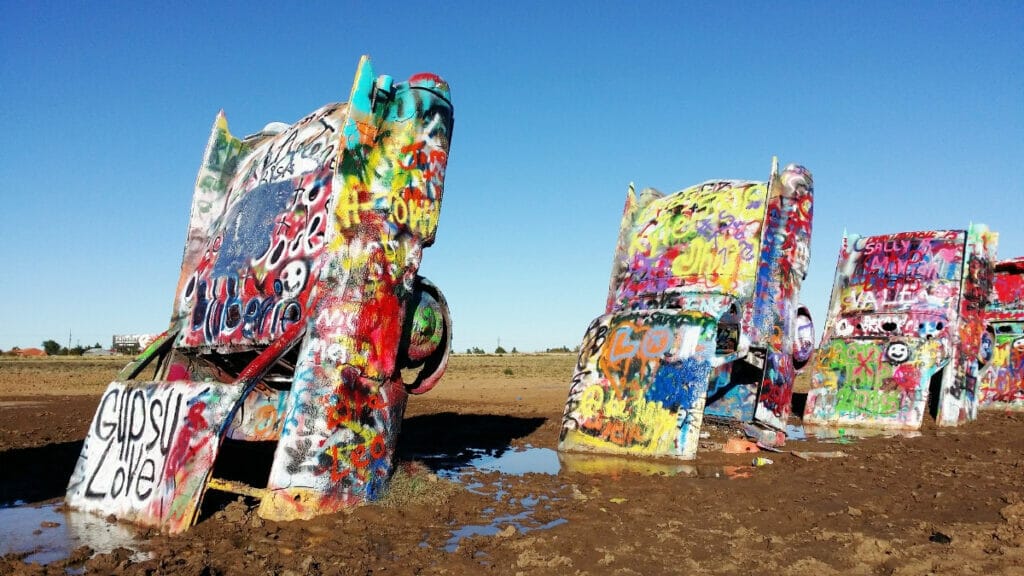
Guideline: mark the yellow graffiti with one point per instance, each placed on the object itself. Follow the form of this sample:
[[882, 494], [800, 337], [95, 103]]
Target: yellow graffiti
[[714, 237], [1001, 355], [349, 205], [590, 402], [293, 503], [418, 215], [403, 190], [639, 425]]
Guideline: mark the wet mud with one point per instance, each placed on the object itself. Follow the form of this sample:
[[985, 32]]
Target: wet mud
[[485, 492]]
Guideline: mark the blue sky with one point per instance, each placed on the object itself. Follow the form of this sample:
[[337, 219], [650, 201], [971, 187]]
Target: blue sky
[[909, 114]]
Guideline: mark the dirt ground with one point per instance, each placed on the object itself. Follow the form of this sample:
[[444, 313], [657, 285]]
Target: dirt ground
[[950, 501]]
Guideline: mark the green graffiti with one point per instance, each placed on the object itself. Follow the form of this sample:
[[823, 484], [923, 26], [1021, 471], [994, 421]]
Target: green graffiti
[[868, 402]]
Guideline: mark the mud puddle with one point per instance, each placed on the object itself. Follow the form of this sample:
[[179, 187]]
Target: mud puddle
[[516, 462], [830, 435], [487, 472], [46, 534], [531, 460], [522, 522]]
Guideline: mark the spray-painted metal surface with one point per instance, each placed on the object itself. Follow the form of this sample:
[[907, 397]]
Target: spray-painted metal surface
[[701, 315], [905, 329], [1001, 385], [298, 305]]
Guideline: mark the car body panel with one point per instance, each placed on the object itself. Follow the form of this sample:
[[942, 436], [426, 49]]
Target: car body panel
[[904, 308], [732, 253], [1001, 384], [297, 307]]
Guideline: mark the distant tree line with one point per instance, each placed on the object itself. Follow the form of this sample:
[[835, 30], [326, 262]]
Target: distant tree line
[[498, 350], [562, 350], [53, 347], [501, 350]]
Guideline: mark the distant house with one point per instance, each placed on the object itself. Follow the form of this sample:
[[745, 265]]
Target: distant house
[[97, 352], [28, 352]]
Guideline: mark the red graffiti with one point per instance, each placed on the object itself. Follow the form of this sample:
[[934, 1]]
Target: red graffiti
[[866, 364], [906, 377]]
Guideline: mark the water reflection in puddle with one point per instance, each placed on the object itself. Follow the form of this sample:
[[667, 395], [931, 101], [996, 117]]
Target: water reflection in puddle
[[523, 522], [46, 534], [614, 466], [461, 468], [518, 462], [528, 460]]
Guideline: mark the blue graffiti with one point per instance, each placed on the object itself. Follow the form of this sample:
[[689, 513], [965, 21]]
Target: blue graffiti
[[679, 385], [249, 224]]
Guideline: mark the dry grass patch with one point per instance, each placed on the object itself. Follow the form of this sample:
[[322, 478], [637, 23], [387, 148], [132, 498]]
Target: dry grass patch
[[413, 484], [58, 375]]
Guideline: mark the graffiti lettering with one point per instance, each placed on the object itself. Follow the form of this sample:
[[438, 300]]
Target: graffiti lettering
[[141, 427], [872, 402], [307, 146], [639, 380], [904, 306], [705, 236]]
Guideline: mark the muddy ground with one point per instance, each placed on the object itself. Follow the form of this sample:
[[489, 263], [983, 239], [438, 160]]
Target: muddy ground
[[946, 502]]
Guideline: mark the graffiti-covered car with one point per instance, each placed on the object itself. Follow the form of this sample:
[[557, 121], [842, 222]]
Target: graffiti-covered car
[[298, 306], [701, 314], [1001, 385], [905, 330]]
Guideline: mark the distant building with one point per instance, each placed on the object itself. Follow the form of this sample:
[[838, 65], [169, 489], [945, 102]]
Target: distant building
[[131, 343], [125, 344], [97, 352], [29, 352]]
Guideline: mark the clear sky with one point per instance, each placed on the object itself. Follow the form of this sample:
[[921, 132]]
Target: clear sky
[[909, 114]]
